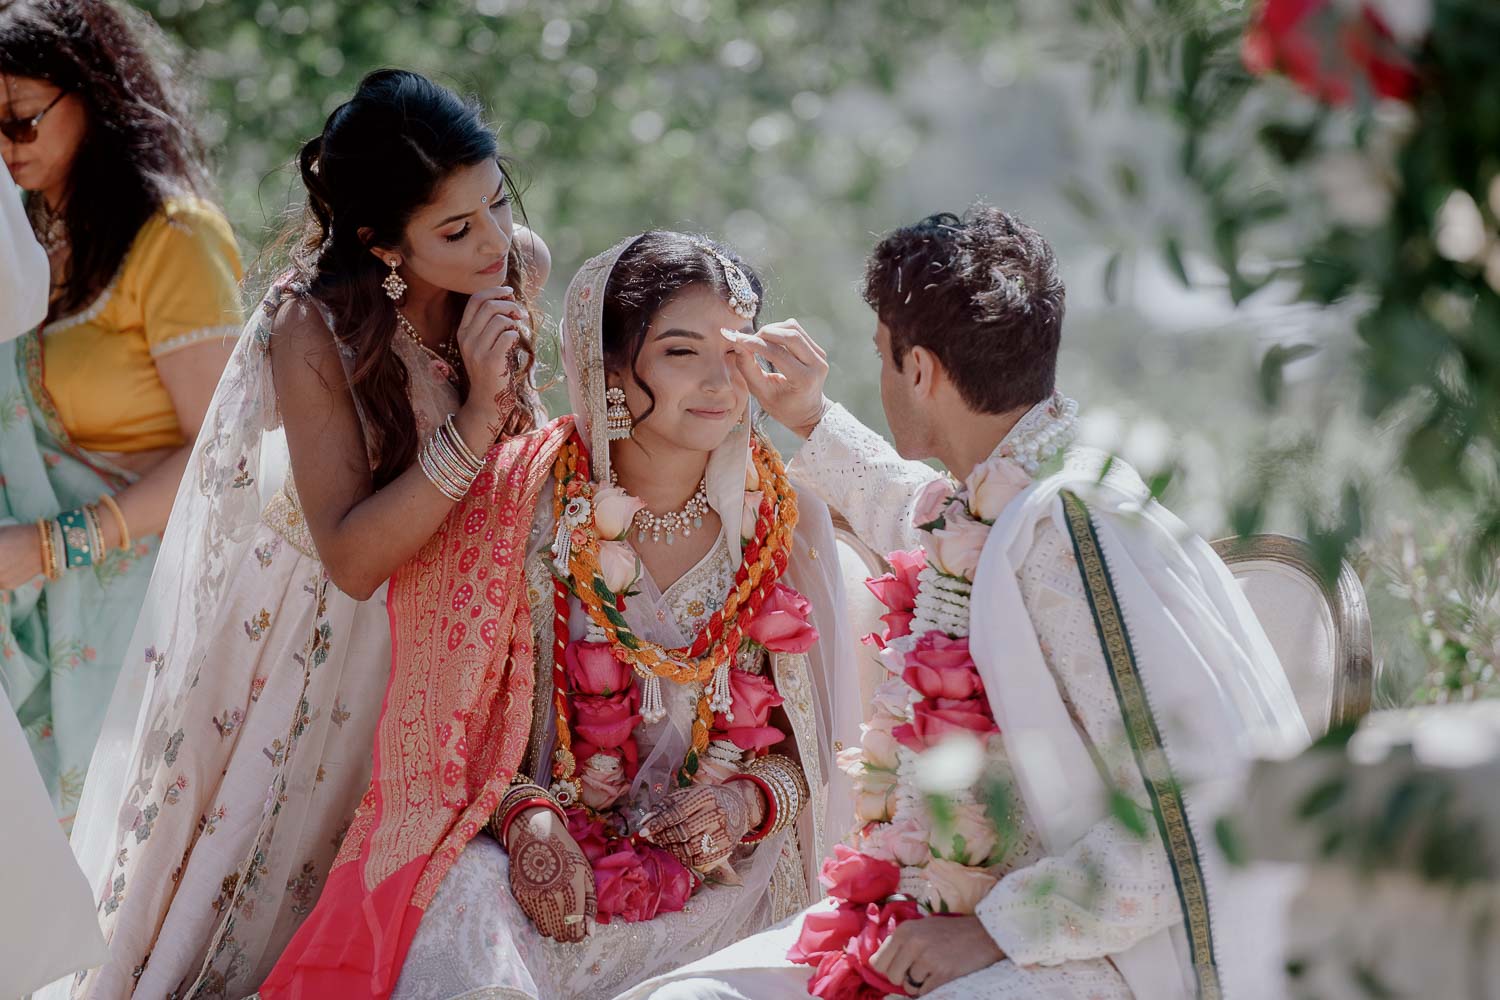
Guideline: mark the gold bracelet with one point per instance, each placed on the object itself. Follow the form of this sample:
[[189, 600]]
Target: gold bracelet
[[96, 532], [788, 785], [119, 516], [49, 553]]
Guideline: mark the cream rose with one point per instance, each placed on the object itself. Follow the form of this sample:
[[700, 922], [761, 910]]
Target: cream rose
[[874, 794], [993, 485], [602, 781], [956, 888], [614, 512], [968, 838], [619, 565], [955, 549]]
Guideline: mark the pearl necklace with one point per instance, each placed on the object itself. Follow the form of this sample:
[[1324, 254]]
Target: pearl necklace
[[673, 521]]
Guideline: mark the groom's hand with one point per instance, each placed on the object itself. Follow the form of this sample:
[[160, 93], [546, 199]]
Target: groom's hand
[[921, 955], [793, 393]]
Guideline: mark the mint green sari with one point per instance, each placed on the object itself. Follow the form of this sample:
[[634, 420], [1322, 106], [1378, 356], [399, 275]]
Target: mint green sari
[[60, 641]]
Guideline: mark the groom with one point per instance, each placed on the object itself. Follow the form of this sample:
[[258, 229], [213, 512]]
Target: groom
[[1125, 682]]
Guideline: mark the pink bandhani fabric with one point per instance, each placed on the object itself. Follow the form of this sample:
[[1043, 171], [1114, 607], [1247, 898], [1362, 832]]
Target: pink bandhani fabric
[[448, 741]]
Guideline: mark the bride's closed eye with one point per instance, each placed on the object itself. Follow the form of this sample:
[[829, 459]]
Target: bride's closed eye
[[455, 237], [680, 352]]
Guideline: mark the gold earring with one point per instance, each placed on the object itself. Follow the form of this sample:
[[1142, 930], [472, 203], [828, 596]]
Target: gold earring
[[618, 423], [394, 287]]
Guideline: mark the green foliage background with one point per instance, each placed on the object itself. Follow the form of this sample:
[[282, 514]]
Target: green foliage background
[[800, 131]]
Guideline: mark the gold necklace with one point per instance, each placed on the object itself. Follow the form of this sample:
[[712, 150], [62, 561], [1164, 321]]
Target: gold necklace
[[450, 346]]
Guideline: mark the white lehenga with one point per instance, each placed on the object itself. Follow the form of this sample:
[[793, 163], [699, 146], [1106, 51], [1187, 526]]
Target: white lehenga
[[474, 941], [238, 745]]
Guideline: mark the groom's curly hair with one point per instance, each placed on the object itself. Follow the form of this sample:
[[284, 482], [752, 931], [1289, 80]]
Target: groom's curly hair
[[982, 293]]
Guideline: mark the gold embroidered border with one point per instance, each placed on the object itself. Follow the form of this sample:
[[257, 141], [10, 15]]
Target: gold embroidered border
[[789, 670], [1145, 738]]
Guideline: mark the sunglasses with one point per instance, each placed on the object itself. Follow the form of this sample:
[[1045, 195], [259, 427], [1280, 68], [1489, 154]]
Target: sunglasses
[[23, 130]]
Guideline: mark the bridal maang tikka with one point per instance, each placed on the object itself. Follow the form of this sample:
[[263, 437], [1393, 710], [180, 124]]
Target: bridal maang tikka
[[742, 297]]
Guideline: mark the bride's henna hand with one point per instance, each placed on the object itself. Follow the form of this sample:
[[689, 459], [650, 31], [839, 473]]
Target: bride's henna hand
[[702, 825], [550, 877]]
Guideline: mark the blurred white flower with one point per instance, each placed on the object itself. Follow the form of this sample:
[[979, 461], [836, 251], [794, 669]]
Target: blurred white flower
[[1353, 187], [951, 766], [1099, 427], [1148, 444], [1408, 20], [1460, 232]]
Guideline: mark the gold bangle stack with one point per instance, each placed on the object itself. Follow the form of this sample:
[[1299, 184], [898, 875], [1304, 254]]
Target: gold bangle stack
[[520, 791], [119, 516], [96, 532], [52, 547], [788, 785], [448, 462]]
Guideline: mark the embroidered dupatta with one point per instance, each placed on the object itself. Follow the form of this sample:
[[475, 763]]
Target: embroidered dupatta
[[446, 746]]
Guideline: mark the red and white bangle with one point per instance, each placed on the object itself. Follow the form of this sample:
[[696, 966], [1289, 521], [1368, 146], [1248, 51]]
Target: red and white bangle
[[521, 795], [768, 795]]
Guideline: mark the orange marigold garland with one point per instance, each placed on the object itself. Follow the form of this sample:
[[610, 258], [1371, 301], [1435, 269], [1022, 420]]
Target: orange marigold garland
[[708, 658]]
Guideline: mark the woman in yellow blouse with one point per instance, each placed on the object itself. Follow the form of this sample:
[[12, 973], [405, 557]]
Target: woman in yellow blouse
[[100, 405]]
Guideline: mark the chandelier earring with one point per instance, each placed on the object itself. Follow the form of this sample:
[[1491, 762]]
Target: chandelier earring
[[618, 423], [395, 288]]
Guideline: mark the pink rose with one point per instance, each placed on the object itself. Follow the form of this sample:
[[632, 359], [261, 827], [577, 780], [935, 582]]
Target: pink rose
[[603, 780], [932, 502], [615, 511], [897, 590], [619, 566], [993, 485], [623, 887], [824, 931], [588, 834], [605, 722], [941, 667], [674, 883], [969, 837], [903, 842], [750, 514], [880, 920], [955, 548], [933, 720], [784, 622], [956, 888], [592, 668], [837, 978], [858, 878], [752, 696]]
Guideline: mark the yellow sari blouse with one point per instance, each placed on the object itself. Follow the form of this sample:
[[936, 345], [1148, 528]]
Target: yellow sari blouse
[[178, 286]]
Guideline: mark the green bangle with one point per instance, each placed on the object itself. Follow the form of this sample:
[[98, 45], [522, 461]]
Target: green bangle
[[78, 549]]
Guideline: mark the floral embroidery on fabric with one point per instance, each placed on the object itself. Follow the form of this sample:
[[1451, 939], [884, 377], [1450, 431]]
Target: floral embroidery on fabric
[[257, 626]]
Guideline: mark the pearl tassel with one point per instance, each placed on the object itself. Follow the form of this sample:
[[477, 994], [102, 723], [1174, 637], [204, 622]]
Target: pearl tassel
[[719, 697], [652, 708]]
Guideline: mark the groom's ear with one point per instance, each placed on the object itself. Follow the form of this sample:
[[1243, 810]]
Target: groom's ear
[[925, 371]]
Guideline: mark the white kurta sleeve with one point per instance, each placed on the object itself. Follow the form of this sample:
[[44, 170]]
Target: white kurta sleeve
[[1114, 887], [857, 473], [23, 266]]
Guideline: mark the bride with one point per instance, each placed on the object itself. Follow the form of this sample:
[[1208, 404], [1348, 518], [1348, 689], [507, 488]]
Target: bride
[[617, 659]]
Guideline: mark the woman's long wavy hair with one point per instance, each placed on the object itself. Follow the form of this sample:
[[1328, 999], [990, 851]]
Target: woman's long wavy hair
[[140, 146], [380, 158]]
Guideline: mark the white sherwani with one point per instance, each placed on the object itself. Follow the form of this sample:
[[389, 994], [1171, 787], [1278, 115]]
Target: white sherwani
[[1101, 909], [1113, 888]]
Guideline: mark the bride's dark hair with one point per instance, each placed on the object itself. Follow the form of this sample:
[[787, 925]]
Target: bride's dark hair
[[657, 266], [380, 158]]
